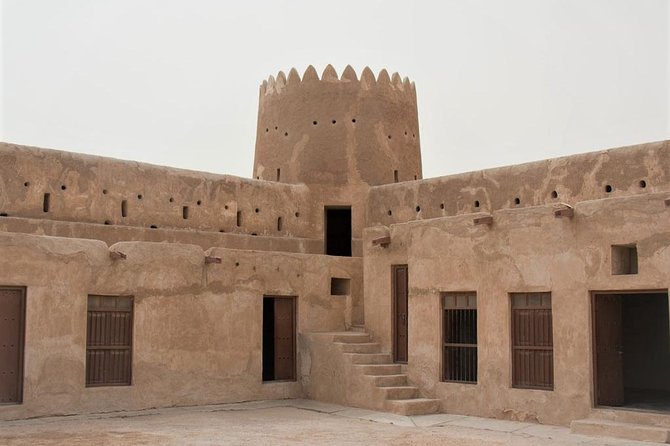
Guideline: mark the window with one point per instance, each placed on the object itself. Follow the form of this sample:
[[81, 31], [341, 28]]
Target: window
[[340, 287], [109, 340], [532, 341], [624, 259], [459, 361]]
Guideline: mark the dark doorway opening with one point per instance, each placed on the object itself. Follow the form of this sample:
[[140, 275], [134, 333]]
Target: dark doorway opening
[[632, 350], [338, 230], [279, 326], [400, 313]]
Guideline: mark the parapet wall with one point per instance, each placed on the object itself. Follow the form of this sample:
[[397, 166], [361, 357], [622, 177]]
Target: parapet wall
[[611, 173], [54, 185], [337, 130]]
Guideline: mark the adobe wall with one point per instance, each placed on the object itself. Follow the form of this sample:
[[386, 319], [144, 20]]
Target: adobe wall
[[91, 189], [630, 170], [524, 250], [197, 328]]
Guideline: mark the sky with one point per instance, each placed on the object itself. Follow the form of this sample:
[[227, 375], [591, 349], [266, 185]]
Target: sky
[[175, 82]]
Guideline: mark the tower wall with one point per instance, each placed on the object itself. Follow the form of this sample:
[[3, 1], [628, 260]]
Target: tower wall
[[337, 131]]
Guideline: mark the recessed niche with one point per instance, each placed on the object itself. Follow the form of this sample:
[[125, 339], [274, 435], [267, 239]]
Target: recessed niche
[[340, 286], [63, 187], [297, 214], [199, 202], [395, 176], [315, 122], [184, 212], [280, 224], [139, 196], [124, 208], [4, 214], [153, 227], [353, 120], [517, 201], [333, 122], [642, 184], [476, 203], [104, 192], [26, 184], [390, 212], [171, 200], [624, 259], [107, 222], [608, 188], [441, 205], [278, 174], [239, 218], [554, 194], [418, 208]]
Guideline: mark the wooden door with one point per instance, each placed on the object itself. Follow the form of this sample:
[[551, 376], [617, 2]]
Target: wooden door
[[284, 338], [400, 313], [609, 350], [12, 311]]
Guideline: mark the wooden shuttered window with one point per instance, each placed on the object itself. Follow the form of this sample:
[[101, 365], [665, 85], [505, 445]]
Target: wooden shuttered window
[[459, 355], [109, 341], [532, 341]]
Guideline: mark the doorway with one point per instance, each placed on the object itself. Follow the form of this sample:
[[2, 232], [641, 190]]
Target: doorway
[[400, 313], [12, 315], [632, 350], [337, 226], [279, 327]]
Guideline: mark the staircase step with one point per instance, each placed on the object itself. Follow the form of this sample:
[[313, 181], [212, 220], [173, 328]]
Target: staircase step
[[369, 358], [363, 347], [414, 406], [400, 392], [351, 337], [389, 380], [629, 431], [379, 369]]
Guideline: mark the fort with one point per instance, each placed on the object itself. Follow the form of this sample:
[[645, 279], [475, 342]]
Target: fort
[[536, 292]]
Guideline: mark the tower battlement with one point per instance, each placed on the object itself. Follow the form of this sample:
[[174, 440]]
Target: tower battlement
[[337, 130]]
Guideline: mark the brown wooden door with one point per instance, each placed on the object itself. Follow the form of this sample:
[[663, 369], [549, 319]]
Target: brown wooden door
[[284, 338], [400, 316], [609, 350], [12, 310]]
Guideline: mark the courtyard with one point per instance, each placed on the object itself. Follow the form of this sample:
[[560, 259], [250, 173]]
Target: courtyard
[[283, 422]]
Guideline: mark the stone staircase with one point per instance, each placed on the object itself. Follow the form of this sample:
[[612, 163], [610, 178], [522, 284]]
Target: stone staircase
[[388, 388], [625, 424]]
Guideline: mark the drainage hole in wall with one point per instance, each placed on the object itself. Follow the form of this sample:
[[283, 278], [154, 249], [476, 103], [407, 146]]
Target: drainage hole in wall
[[237, 263], [314, 122], [353, 120], [4, 214], [26, 184], [297, 214], [333, 122], [63, 187], [276, 127], [267, 130], [139, 196], [153, 227], [389, 137], [257, 210], [225, 206], [107, 222], [285, 133], [199, 202], [171, 200]]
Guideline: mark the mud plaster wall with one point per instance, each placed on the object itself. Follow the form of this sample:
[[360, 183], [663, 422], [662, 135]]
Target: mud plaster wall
[[197, 328], [525, 250], [92, 189], [611, 173]]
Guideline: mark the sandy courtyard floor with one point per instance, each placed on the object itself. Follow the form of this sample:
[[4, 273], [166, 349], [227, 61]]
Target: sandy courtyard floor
[[285, 422]]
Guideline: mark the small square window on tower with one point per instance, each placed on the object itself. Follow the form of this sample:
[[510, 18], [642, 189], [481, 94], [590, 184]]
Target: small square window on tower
[[624, 259]]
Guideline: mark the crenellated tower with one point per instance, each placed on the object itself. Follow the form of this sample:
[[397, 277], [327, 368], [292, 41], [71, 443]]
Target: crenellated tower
[[337, 131]]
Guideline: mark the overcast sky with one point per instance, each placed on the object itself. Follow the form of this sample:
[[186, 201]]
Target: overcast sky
[[175, 82]]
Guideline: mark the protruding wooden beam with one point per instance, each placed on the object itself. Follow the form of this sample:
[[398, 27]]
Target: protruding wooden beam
[[484, 219], [382, 241], [210, 259], [563, 210], [117, 255]]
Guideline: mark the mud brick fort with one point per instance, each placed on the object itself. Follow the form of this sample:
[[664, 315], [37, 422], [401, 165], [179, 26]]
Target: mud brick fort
[[337, 273]]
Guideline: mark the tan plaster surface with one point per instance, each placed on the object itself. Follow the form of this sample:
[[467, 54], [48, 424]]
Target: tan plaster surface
[[284, 422]]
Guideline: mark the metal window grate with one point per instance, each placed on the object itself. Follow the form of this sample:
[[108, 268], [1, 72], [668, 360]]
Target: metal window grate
[[532, 341], [109, 341], [460, 338]]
